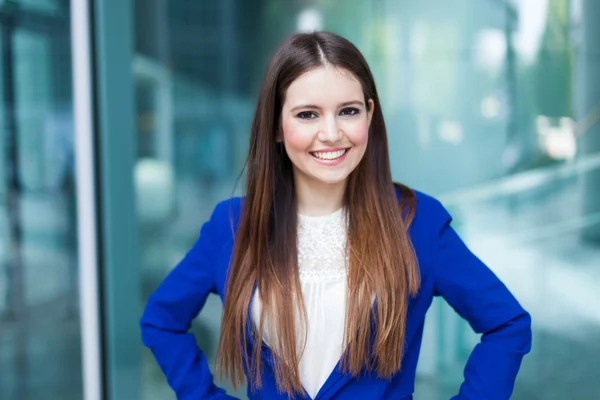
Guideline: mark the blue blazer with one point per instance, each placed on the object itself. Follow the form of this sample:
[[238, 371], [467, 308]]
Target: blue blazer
[[447, 267]]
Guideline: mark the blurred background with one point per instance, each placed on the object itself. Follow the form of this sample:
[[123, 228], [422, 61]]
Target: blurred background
[[493, 106]]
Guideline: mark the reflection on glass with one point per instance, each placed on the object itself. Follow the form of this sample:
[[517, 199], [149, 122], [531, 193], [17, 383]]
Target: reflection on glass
[[45, 6], [39, 319], [491, 105]]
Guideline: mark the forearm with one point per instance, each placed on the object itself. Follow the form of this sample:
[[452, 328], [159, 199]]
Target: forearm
[[493, 365]]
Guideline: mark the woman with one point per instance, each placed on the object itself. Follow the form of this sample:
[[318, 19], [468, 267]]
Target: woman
[[326, 267]]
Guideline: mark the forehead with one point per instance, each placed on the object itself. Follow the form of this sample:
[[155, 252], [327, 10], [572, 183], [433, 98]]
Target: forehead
[[324, 86]]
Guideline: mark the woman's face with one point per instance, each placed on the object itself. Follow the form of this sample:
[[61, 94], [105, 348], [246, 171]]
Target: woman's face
[[325, 125]]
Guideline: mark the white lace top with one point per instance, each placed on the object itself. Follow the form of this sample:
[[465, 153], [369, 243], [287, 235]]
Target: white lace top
[[322, 265]]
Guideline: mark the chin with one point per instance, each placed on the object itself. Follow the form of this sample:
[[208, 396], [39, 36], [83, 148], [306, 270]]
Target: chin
[[331, 180]]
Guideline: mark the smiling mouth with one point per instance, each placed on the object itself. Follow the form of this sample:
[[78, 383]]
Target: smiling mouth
[[329, 155]]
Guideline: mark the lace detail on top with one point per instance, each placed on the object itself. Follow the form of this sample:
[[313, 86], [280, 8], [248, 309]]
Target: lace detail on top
[[322, 250]]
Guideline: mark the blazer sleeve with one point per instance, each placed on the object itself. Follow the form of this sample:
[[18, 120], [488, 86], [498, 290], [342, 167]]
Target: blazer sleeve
[[168, 316], [477, 295]]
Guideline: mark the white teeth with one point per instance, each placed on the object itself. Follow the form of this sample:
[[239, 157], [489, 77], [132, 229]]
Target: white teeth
[[331, 155]]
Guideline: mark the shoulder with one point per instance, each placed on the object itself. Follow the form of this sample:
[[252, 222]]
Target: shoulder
[[224, 219], [429, 215], [429, 219], [428, 210], [227, 209]]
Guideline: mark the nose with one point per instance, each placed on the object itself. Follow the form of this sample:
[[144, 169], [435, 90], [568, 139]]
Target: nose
[[330, 131]]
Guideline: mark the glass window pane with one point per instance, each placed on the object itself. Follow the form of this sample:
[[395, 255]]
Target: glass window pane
[[39, 316], [43, 5]]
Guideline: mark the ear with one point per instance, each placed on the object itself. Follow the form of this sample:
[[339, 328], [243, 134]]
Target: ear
[[279, 136], [279, 133], [371, 107]]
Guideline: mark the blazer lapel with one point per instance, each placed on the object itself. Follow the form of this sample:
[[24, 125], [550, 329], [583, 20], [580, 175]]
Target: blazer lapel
[[336, 380]]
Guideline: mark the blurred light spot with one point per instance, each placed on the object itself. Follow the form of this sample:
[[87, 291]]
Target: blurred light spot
[[154, 189], [490, 107], [533, 16], [417, 40], [490, 48], [309, 20], [557, 137], [451, 131]]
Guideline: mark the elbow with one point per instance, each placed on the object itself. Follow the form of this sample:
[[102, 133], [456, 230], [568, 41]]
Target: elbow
[[146, 328], [159, 324], [515, 334], [525, 332], [149, 326]]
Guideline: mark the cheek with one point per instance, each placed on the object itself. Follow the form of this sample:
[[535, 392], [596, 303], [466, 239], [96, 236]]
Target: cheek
[[297, 137], [358, 133]]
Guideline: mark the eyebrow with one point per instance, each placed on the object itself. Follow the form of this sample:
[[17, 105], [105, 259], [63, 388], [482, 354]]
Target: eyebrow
[[344, 104]]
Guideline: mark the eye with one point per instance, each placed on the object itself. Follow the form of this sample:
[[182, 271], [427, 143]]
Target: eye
[[349, 111], [307, 115]]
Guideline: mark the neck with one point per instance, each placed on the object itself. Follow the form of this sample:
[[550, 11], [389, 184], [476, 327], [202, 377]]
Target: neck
[[318, 198]]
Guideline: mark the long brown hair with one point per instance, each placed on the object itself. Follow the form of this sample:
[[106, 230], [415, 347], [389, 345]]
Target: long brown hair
[[381, 258]]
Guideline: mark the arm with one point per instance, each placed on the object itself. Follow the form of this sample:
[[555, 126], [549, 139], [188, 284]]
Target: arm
[[169, 314], [478, 296]]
